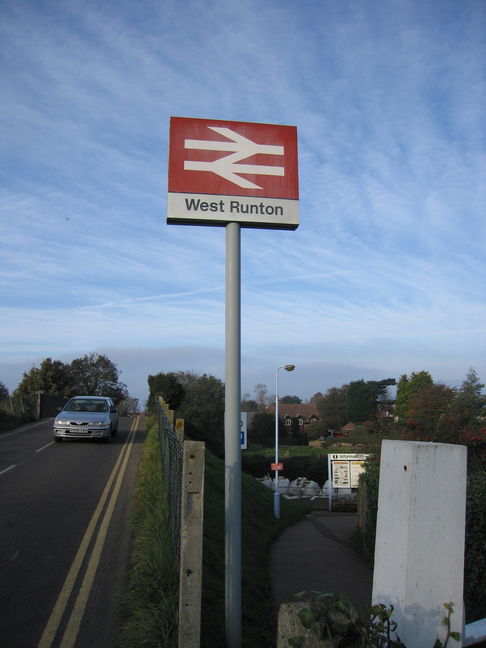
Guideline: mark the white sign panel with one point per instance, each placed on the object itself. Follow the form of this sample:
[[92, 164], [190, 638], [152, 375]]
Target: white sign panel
[[346, 468]]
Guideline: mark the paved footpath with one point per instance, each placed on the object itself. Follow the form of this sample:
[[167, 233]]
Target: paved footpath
[[318, 553]]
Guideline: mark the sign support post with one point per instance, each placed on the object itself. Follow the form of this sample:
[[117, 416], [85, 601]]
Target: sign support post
[[232, 174], [232, 438]]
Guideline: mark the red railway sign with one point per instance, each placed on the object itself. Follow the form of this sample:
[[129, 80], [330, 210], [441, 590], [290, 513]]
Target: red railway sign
[[225, 171]]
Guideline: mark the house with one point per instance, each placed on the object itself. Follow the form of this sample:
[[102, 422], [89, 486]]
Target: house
[[303, 413]]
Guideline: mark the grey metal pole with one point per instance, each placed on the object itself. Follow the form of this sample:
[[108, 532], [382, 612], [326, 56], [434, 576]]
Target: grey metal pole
[[276, 495], [232, 438]]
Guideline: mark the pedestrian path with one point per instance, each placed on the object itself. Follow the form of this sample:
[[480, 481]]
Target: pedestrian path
[[319, 553]]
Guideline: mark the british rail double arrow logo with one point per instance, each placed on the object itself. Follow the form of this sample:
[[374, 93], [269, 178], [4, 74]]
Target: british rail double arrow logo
[[228, 166]]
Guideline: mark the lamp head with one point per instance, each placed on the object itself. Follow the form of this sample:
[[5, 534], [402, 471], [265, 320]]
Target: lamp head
[[289, 367]]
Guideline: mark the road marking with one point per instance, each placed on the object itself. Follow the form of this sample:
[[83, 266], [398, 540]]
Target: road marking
[[74, 622], [45, 446], [7, 469], [15, 556]]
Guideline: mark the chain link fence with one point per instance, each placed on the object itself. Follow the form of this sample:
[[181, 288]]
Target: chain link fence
[[183, 468], [171, 450]]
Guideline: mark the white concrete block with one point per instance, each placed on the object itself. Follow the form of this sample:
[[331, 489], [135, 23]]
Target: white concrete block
[[419, 551]]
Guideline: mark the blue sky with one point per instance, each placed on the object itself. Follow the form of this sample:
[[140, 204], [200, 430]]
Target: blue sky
[[386, 273]]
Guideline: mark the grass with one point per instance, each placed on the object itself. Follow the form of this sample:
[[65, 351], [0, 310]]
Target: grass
[[151, 599], [150, 605]]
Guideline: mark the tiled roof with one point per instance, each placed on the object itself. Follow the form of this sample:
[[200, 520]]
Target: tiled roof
[[294, 410]]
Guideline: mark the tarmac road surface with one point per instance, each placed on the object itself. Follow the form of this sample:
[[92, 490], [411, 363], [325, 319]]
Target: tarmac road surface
[[64, 535]]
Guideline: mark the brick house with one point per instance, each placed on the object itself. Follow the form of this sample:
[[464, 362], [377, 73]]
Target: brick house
[[302, 413]]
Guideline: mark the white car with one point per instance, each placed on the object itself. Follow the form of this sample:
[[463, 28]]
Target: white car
[[86, 417]]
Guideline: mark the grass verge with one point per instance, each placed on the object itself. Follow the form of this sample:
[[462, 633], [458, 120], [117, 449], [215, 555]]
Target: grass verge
[[150, 608]]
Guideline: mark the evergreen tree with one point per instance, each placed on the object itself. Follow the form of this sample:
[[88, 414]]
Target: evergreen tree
[[410, 388], [169, 387]]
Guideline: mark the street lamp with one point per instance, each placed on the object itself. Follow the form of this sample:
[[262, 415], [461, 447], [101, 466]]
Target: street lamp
[[276, 496]]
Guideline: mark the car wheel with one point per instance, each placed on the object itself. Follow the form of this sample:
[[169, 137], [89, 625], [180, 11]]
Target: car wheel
[[57, 439]]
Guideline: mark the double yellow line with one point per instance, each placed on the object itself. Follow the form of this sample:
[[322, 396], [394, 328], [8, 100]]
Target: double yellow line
[[111, 495]]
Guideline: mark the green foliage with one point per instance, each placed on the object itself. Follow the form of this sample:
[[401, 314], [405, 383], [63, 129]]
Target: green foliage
[[203, 409], [288, 400], [475, 556], [370, 480], [96, 375], [93, 375], [469, 402], [361, 401], [169, 387], [362, 398], [262, 429], [332, 407], [332, 619], [3, 393], [426, 410], [409, 388], [151, 601], [52, 377]]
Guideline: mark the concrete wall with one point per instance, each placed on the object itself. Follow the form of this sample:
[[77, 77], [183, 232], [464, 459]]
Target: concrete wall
[[419, 551]]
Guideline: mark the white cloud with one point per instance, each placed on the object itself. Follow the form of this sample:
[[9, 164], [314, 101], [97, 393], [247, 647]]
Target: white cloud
[[387, 268]]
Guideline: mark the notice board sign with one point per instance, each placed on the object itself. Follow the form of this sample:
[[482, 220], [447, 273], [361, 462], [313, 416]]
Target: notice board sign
[[226, 171], [345, 469]]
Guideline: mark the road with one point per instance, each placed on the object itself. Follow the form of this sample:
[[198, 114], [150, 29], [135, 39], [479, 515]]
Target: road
[[64, 535]]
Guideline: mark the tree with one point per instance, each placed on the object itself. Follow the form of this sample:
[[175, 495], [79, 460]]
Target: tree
[[410, 388], [469, 402], [52, 377], [363, 397], [425, 410], [96, 375], [169, 387], [3, 392], [261, 397], [128, 406], [262, 429], [248, 404], [203, 409], [332, 407], [288, 400], [361, 401]]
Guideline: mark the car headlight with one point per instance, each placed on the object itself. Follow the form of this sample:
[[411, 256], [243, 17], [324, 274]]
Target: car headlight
[[99, 423], [61, 422]]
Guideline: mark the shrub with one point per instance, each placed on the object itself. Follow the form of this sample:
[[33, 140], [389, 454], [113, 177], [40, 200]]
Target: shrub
[[475, 557]]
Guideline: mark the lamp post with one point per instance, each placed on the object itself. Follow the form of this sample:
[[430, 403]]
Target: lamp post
[[276, 496]]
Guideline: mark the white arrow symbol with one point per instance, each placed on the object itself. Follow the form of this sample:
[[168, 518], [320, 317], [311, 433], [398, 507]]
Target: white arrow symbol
[[227, 166]]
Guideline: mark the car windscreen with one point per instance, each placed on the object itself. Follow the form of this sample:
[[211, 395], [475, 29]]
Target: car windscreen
[[86, 405]]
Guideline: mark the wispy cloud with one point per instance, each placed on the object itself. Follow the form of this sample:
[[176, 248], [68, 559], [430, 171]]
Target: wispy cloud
[[387, 267]]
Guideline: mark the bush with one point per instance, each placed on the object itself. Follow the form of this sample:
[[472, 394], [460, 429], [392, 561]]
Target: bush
[[475, 557]]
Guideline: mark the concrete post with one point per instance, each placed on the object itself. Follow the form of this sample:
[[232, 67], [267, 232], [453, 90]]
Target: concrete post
[[192, 513], [419, 551]]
